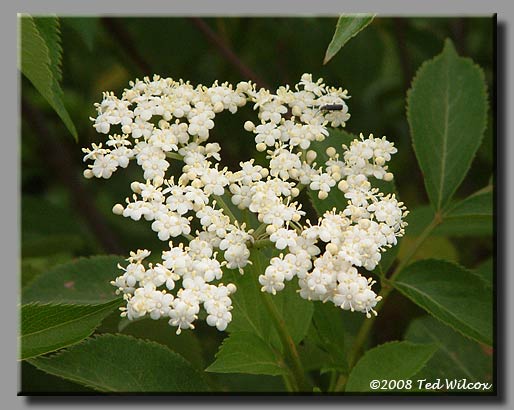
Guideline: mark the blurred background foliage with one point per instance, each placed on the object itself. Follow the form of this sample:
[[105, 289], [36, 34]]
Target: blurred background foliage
[[65, 216]]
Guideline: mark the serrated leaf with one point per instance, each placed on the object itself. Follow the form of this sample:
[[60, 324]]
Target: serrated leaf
[[447, 114], [452, 294], [35, 57], [123, 364], [348, 26], [49, 327], [49, 29], [83, 281], [456, 358], [390, 361], [245, 352], [37, 64]]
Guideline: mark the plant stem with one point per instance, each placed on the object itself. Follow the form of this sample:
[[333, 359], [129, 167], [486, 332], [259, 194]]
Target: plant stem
[[290, 386], [174, 155], [289, 346], [262, 243], [187, 236], [387, 288], [259, 230]]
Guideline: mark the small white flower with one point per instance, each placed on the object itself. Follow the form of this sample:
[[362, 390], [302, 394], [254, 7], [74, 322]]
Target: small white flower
[[283, 238]]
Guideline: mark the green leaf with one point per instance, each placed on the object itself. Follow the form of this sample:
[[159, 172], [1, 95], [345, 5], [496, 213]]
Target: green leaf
[[486, 270], [452, 294], [447, 114], [294, 311], [250, 314], [49, 29], [390, 361], [348, 26], [39, 61], [49, 327], [35, 57], [438, 247], [478, 204], [34, 381], [456, 358], [314, 357], [455, 226], [245, 352], [83, 281], [123, 364], [189, 344], [329, 329]]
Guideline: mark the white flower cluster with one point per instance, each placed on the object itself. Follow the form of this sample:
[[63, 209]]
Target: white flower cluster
[[160, 121]]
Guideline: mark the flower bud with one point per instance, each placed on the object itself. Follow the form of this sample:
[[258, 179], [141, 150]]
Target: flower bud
[[218, 107], [136, 187], [331, 152], [158, 181], [322, 195], [310, 156], [88, 174], [332, 248], [117, 209], [297, 111], [380, 161], [249, 126], [343, 185], [270, 229]]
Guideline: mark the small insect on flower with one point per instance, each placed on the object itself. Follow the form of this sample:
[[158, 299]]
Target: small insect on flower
[[332, 107]]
